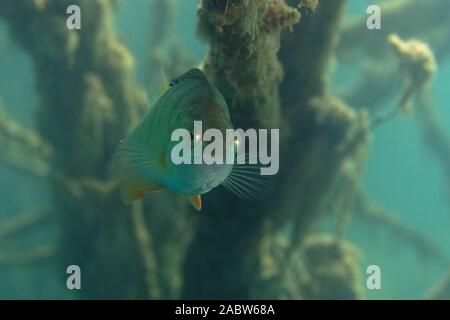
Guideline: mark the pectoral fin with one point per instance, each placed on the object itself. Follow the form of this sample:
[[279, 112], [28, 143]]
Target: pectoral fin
[[246, 181], [195, 201], [132, 163]]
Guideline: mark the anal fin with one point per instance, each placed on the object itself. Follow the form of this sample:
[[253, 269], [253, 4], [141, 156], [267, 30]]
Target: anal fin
[[195, 201]]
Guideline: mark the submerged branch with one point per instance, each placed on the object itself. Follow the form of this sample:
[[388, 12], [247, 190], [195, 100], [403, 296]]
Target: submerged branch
[[147, 252], [441, 290], [433, 26], [379, 80], [435, 135], [306, 52], [375, 214], [22, 222], [14, 258], [23, 149], [89, 100], [323, 122], [242, 61], [418, 67]]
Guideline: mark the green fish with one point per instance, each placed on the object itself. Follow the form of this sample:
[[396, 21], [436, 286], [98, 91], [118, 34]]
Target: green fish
[[142, 162]]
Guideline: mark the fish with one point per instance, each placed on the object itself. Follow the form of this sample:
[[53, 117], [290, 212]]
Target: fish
[[142, 161]]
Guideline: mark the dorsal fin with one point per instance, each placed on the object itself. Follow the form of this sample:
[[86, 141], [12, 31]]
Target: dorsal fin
[[193, 74], [158, 88]]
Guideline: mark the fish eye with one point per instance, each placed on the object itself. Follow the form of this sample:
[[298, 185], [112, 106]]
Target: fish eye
[[173, 82], [195, 137]]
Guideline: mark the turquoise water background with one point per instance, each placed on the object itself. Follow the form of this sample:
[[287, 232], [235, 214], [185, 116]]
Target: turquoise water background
[[401, 174]]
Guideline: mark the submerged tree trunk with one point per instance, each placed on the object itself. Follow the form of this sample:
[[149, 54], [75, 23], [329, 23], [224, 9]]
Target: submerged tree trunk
[[227, 257], [88, 101]]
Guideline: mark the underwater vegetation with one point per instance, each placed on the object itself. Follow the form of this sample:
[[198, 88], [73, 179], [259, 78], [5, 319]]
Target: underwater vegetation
[[271, 62]]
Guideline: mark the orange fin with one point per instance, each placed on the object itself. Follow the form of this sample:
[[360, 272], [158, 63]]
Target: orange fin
[[131, 193], [195, 201], [153, 188]]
